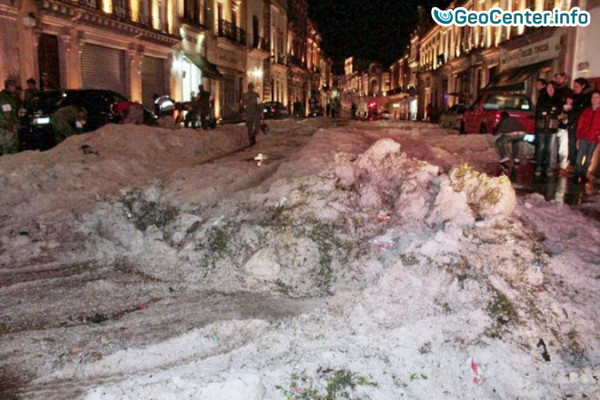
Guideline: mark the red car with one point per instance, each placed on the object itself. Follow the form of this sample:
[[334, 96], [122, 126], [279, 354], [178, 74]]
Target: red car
[[483, 116]]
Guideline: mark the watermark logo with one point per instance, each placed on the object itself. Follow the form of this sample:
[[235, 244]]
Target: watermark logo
[[495, 16]]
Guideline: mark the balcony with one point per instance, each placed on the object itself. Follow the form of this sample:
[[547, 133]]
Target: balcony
[[97, 4], [194, 22], [122, 20], [259, 47], [278, 59], [231, 32], [296, 61]]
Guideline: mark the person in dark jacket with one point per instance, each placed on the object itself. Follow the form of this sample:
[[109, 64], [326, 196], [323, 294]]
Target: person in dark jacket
[[582, 93], [509, 130], [204, 106], [588, 136], [9, 120], [253, 113], [562, 89], [540, 86], [546, 126]]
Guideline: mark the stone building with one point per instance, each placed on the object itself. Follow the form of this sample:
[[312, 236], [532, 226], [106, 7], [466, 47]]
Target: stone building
[[140, 48]]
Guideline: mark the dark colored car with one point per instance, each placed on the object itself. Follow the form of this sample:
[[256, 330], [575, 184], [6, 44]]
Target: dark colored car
[[274, 110], [483, 116], [36, 131]]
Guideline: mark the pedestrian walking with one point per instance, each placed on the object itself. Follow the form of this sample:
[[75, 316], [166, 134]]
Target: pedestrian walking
[[546, 126], [509, 130], [253, 113], [588, 136]]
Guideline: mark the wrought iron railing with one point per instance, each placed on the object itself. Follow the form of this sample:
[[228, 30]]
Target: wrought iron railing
[[231, 32]]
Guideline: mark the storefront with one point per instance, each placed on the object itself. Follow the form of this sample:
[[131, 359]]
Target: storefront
[[528, 58], [112, 74]]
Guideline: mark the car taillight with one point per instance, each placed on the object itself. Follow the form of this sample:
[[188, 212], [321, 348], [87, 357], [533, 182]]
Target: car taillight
[[497, 116], [272, 110]]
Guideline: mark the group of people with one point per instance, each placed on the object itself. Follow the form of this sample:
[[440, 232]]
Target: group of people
[[16, 103], [567, 128], [199, 106]]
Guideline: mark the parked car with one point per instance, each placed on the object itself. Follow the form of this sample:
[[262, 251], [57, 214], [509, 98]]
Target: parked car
[[36, 131], [452, 118], [274, 110], [483, 116]]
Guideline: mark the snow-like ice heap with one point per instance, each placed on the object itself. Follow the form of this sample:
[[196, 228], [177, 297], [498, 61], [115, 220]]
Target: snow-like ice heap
[[425, 271], [305, 236], [418, 271]]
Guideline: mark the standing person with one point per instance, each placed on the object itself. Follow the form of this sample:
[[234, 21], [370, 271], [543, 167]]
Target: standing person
[[297, 109], [9, 120], [546, 126], [191, 117], [562, 89], [336, 108], [540, 86], [203, 106], [542, 97], [588, 136], [45, 83], [32, 95], [562, 135], [509, 130], [252, 109], [429, 112], [353, 110], [582, 93]]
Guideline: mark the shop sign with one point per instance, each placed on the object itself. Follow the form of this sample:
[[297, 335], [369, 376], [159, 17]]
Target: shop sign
[[228, 59], [532, 54]]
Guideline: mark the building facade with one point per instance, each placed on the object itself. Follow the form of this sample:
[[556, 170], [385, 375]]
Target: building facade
[[143, 48], [68, 41], [456, 63]]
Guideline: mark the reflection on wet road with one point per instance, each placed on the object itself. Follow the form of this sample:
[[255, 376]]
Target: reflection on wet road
[[582, 196]]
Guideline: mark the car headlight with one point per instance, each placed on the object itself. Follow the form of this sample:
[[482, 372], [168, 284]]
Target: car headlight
[[41, 120]]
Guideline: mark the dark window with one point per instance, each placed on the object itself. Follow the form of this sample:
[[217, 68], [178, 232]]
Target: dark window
[[255, 33], [190, 11]]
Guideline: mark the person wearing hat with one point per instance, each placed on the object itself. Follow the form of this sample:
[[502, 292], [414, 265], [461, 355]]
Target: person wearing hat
[[9, 119]]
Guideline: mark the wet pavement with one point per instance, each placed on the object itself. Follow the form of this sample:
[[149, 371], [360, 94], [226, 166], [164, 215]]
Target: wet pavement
[[584, 197]]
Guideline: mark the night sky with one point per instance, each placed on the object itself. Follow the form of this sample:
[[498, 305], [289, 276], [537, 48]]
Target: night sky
[[374, 30]]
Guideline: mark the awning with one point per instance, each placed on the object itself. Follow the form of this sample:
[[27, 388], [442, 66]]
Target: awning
[[208, 69], [514, 78]]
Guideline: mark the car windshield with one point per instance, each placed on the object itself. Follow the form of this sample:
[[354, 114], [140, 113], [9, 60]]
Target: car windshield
[[507, 102]]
